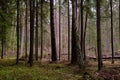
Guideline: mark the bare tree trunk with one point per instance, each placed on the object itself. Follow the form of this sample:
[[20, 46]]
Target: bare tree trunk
[[21, 34], [99, 35], [59, 28], [3, 42], [53, 40], [112, 41], [68, 30], [18, 26], [84, 39], [82, 47], [32, 7], [26, 24], [36, 39], [41, 29]]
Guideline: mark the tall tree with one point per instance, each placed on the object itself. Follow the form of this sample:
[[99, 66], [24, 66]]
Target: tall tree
[[18, 26], [22, 28], [26, 24], [99, 35], [59, 28], [84, 37], [32, 7], [112, 41], [74, 33], [53, 40], [76, 56], [3, 42], [41, 29], [68, 30], [36, 38], [82, 47]]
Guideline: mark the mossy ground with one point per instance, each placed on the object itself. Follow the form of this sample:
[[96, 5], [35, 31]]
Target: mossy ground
[[9, 71], [52, 71]]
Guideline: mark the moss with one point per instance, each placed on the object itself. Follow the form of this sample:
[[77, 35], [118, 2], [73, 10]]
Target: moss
[[8, 71]]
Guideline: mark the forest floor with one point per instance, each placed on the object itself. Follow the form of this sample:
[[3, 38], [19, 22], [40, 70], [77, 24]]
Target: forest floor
[[57, 71]]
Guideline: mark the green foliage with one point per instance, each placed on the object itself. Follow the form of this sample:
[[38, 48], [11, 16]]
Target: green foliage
[[8, 71], [7, 14]]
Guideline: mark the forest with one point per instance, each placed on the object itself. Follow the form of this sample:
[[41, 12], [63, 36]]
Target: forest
[[60, 39]]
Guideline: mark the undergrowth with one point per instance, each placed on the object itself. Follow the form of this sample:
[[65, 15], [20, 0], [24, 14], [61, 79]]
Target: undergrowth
[[10, 71]]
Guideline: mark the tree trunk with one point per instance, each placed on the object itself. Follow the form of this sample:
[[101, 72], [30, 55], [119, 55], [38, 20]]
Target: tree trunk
[[3, 42], [53, 41], [59, 28], [68, 30], [21, 34], [26, 27], [18, 26], [76, 55], [99, 36], [36, 40], [32, 7], [112, 41], [41, 29], [84, 39], [82, 47]]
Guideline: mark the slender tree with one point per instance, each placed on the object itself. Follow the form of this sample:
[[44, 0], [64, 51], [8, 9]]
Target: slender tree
[[99, 35], [84, 37], [26, 24], [41, 29], [68, 30], [3, 42], [36, 38], [59, 28], [112, 41], [74, 28], [82, 47], [18, 26], [32, 7], [53, 40]]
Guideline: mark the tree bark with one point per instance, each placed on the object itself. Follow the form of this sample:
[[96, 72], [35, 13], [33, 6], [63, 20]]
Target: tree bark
[[112, 41], [82, 47], [53, 40], [41, 29], [32, 7], [68, 30], [36, 40], [26, 27], [99, 35], [84, 37], [18, 26], [59, 28]]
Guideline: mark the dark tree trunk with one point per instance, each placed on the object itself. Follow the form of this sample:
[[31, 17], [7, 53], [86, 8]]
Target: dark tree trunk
[[68, 30], [3, 42], [36, 40], [41, 29], [84, 39], [32, 7], [74, 34], [82, 42], [18, 31], [76, 55], [59, 28], [53, 41], [112, 41], [99, 35]]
